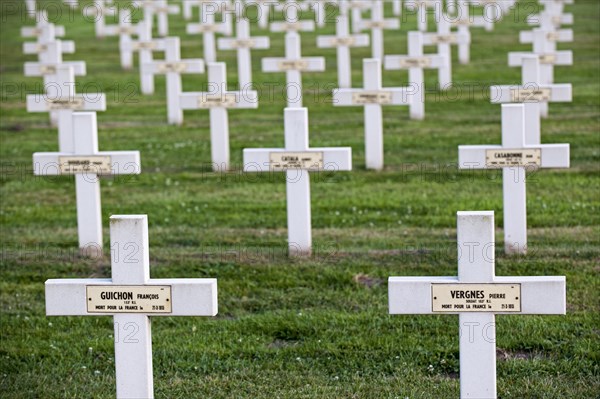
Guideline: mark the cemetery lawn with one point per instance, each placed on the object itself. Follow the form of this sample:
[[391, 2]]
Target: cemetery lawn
[[319, 327]]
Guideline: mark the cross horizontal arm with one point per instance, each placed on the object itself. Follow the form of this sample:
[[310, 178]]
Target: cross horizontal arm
[[258, 42], [334, 159], [189, 296], [426, 61], [39, 69], [561, 35], [67, 47], [336, 41], [539, 295], [182, 66], [531, 93], [387, 96], [552, 155], [302, 26], [121, 162], [432, 38], [515, 59], [28, 31], [79, 102], [228, 99], [303, 64]]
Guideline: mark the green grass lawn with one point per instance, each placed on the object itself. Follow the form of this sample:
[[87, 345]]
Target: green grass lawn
[[315, 327]]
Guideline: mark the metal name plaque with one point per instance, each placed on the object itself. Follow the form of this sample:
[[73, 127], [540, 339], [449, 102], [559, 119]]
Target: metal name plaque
[[415, 62], [289, 65], [71, 165], [144, 45], [441, 39], [243, 43], [523, 95], [177, 67], [128, 298], [547, 58], [227, 100], [47, 69], [343, 41], [373, 97], [73, 103], [281, 161], [504, 158], [458, 298]]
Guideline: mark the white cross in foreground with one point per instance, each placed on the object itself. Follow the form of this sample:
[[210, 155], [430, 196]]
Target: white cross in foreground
[[377, 24], [514, 157], [60, 97], [415, 62], [243, 42], [343, 40], [218, 100], [372, 97], [297, 159], [131, 297], [293, 65], [173, 67], [87, 164], [477, 295]]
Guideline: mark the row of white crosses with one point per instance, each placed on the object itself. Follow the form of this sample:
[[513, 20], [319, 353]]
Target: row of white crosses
[[477, 295]]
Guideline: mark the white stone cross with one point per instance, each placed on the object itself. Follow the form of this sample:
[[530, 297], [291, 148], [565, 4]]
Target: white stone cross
[[356, 7], [40, 47], [173, 67], [320, 9], [243, 42], [532, 89], [218, 100], [443, 39], [422, 7], [131, 297], [87, 164], [30, 6], [293, 65], [292, 24], [531, 68], [97, 11], [188, 8], [60, 97], [145, 45], [372, 97], [208, 27], [415, 62], [463, 23], [544, 44], [477, 295], [377, 24], [263, 10], [397, 8], [161, 9], [297, 159], [125, 29], [515, 157], [548, 21], [343, 41], [52, 58], [41, 21]]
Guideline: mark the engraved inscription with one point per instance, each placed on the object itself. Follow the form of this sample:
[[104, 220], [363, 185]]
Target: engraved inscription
[[128, 298], [523, 95], [307, 160], [458, 298], [372, 97], [97, 164], [503, 158]]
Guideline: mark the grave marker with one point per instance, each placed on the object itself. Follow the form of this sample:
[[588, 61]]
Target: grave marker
[[60, 97], [123, 296], [297, 159], [443, 39], [161, 9], [515, 157], [243, 43], [372, 97], [422, 7], [293, 65], [292, 23], [173, 67], [208, 27], [125, 29], [87, 164], [98, 11], [477, 295], [377, 24], [41, 22], [343, 41], [218, 100], [415, 62], [544, 44]]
